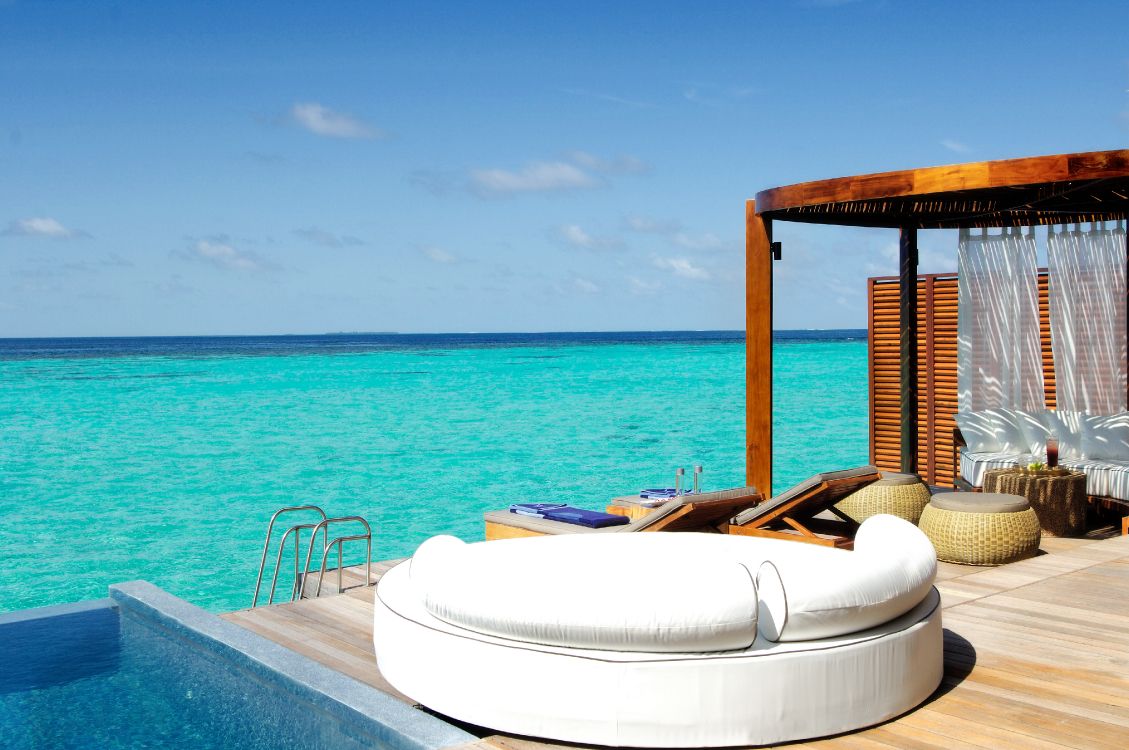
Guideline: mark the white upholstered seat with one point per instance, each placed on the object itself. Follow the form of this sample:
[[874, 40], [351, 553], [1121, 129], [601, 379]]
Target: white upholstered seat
[[654, 639]]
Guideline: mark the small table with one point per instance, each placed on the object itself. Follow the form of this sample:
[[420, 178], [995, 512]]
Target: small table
[[1057, 495]]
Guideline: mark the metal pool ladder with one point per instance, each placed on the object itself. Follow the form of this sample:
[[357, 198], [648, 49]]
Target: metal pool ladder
[[301, 573]]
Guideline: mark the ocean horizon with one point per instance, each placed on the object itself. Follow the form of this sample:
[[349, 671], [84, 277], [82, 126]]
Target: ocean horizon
[[163, 457]]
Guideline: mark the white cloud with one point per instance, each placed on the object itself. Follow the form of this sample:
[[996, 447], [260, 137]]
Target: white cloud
[[682, 267], [219, 253], [41, 226], [955, 146], [675, 234], [575, 235], [704, 241], [586, 286], [324, 121], [608, 98], [713, 95], [326, 238], [641, 287], [577, 171], [623, 164], [535, 177], [438, 255], [651, 226]]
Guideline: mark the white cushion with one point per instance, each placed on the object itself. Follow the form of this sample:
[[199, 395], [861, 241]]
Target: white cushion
[[890, 571], [1033, 425], [630, 592], [1066, 427], [973, 465], [978, 431], [1106, 437], [1104, 478], [992, 430], [673, 592]]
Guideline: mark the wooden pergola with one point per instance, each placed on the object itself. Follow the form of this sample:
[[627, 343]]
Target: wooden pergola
[[1061, 189]]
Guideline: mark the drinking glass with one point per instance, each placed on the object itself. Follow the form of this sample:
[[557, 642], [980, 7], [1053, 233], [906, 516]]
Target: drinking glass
[[1052, 452]]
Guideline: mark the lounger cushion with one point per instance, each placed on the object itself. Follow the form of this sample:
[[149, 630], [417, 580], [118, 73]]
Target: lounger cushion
[[563, 591], [979, 502]]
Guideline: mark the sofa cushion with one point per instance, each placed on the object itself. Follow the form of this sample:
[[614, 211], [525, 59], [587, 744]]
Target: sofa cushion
[[973, 465], [1033, 425], [1106, 437], [1104, 478], [1066, 427], [992, 430]]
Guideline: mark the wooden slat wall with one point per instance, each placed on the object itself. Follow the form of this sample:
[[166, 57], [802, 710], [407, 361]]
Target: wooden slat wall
[[936, 375]]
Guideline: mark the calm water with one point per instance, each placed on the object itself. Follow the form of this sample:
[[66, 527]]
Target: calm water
[[163, 459], [99, 680]]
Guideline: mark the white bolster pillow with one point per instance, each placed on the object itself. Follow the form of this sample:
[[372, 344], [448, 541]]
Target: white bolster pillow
[[524, 591], [890, 571]]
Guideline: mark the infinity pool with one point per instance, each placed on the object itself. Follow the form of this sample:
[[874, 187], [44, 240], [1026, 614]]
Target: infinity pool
[[100, 675]]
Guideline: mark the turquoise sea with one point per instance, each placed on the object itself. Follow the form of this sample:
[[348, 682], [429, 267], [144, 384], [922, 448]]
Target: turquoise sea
[[163, 459]]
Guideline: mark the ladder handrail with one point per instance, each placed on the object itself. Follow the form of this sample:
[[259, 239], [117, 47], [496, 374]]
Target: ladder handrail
[[297, 529], [266, 543], [324, 528], [325, 555]]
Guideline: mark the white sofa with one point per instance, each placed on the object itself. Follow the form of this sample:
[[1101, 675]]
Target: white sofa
[[1097, 445], [665, 640]]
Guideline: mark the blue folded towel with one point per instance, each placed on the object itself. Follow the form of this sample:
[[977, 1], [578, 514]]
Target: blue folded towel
[[589, 518], [664, 493], [534, 509]]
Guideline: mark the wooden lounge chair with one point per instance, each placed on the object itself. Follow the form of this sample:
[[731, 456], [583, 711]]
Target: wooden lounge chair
[[791, 515], [705, 511]]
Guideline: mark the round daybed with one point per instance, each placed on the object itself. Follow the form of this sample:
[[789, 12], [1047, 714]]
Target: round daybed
[[665, 640]]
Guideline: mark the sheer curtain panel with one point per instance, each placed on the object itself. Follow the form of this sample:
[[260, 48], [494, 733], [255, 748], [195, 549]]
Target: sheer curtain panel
[[999, 357], [1087, 288]]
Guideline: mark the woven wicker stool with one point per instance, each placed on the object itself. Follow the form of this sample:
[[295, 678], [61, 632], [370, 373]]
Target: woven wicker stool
[[902, 495], [981, 528]]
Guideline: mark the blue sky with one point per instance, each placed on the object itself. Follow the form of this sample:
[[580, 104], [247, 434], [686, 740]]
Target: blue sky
[[222, 168]]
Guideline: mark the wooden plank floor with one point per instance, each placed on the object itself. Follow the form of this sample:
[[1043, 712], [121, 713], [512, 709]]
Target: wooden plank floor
[[1036, 654]]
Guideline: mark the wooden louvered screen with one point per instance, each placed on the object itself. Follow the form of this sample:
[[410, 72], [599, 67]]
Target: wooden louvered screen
[[936, 372]]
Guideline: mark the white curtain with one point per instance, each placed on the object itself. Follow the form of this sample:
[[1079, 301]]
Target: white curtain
[[1087, 279], [999, 357]]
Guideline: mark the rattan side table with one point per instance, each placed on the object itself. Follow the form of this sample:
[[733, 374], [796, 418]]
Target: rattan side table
[[1058, 496]]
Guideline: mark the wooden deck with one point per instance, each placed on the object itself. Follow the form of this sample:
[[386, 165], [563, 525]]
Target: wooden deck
[[1036, 654]]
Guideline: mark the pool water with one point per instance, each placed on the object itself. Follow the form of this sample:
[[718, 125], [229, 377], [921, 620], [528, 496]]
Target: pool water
[[103, 678]]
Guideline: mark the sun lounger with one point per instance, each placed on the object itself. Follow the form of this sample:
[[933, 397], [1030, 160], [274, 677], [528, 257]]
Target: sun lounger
[[792, 514], [704, 511]]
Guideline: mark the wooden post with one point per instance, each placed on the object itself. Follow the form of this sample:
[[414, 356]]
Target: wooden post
[[758, 350], [907, 267]]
